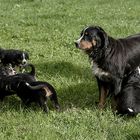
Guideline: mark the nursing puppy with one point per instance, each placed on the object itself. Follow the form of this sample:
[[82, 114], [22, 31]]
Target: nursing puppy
[[127, 102], [8, 82], [113, 59], [37, 92], [13, 57], [6, 70]]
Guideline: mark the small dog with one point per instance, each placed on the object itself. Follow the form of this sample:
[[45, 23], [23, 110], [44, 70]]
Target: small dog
[[8, 82], [6, 70], [13, 57], [113, 59], [127, 102], [28, 89], [37, 92]]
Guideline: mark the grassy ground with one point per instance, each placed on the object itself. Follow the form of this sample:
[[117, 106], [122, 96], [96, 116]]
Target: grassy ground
[[47, 30]]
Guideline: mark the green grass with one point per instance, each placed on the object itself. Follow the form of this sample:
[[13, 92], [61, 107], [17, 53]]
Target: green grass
[[47, 30]]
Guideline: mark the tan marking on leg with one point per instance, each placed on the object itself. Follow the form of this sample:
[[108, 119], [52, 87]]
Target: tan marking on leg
[[48, 92], [102, 98]]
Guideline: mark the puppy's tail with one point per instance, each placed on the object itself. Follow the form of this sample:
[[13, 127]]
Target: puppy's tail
[[40, 86], [35, 87], [32, 72]]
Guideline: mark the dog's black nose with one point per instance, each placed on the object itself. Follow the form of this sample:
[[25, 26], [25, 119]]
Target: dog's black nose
[[76, 44], [24, 62]]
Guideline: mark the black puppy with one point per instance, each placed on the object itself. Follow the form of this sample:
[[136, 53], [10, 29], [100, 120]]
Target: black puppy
[[13, 57], [7, 82], [127, 102], [37, 92], [113, 59]]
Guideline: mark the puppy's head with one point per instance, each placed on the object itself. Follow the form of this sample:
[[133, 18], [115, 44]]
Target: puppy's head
[[22, 58], [92, 38]]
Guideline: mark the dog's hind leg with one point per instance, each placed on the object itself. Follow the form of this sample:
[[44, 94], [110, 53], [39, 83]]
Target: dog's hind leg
[[54, 100], [51, 93], [43, 104]]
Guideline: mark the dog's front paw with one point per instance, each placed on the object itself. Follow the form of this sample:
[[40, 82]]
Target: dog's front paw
[[101, 106]]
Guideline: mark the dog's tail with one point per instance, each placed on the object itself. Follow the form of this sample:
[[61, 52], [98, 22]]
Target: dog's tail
[[32, 72], [35, 87]]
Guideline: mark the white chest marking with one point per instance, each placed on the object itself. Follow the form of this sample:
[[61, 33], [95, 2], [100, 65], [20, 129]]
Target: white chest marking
[[99, 72]]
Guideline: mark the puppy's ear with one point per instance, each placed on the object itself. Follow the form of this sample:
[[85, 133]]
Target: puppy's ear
[[26, 55]]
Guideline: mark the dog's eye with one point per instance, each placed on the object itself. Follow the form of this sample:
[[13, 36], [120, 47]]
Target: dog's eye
[[88, 37], [87, 34]]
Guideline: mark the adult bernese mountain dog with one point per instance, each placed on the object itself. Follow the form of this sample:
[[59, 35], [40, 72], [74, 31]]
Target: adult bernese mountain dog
[[113, 59]]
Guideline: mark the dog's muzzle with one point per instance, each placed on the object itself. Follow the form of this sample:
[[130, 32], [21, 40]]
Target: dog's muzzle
[[24, 62]]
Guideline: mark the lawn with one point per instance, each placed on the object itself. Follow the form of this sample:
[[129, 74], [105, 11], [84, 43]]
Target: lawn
[[46, 29]]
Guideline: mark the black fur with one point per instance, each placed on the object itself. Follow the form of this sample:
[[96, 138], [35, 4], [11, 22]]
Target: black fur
[[14, 57], [28, 89], [115, 57], [128, 100], [7, 83], [35, 92]]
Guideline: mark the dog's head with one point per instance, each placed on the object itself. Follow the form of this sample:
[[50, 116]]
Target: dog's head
[[92, 38], [14, 57], [22, 58]]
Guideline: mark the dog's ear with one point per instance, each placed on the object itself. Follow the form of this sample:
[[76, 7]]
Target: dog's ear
[[26, 55], [102, 38]]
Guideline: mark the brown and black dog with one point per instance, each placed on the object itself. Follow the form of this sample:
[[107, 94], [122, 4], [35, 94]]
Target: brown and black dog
[[113, 59], [13, 57], [37, 92], [25, 86], [7, 82]]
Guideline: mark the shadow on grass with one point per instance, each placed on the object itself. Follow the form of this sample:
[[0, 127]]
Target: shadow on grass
[[13, 103], [133, 137], [64, 69], [10, 103], [81, 95]]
